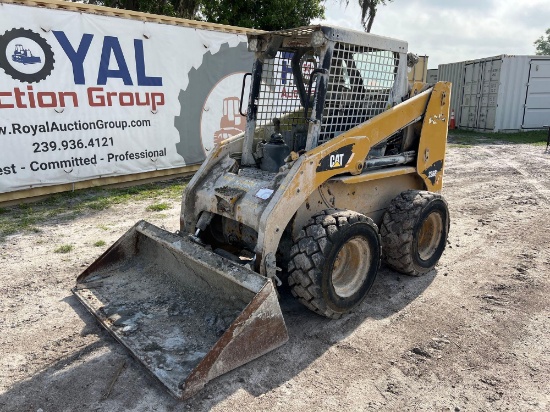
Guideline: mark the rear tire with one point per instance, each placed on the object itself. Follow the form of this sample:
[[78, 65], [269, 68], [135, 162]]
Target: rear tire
[[334, 261], [414, 231]]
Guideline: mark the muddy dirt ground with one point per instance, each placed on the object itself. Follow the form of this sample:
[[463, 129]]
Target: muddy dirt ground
[[472, 335]]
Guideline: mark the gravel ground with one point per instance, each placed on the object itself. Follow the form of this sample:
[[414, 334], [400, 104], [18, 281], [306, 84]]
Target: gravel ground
[[474, 334]]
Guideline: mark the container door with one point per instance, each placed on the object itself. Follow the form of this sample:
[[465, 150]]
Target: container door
[[479, 100], [470, 97], [537, 103], [489, 93]]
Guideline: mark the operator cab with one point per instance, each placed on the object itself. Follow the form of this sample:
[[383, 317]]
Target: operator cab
[[313, 83]]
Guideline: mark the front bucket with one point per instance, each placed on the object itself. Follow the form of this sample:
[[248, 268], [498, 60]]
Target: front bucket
[[186, 313]]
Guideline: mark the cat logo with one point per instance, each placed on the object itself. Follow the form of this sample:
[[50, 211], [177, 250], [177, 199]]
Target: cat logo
[[336, 160]]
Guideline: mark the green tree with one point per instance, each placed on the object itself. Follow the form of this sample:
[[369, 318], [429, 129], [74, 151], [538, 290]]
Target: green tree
[[164, 7], [258, 14], [542, 44], [186, 9], [264, 15]]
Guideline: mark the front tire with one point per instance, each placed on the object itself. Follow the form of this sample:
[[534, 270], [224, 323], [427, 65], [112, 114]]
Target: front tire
[[414, 231], [334, 262]]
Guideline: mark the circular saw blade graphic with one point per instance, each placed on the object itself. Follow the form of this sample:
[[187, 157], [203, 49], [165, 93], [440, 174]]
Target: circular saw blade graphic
[[214, 67]]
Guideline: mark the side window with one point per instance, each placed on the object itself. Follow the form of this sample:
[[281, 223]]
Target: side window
[[360, 85], [377, 68], [279, 95]]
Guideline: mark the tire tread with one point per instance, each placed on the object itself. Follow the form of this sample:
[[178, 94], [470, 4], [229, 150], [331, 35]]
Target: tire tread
[[315, 241], [397, 229]]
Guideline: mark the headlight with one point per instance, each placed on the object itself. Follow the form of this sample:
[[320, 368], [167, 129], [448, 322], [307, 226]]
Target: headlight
[[253, 45], [318, 39]]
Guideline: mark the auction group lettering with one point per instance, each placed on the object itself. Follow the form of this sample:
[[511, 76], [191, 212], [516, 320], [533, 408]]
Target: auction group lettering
[[112, 66]]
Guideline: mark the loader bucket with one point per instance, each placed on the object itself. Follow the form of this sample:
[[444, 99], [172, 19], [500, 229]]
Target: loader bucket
[[186, 313]]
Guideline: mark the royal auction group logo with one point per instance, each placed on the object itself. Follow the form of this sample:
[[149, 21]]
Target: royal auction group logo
[[26, 56]]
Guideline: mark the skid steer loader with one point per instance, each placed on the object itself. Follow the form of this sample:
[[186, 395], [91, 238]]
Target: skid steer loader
[[339, 167]]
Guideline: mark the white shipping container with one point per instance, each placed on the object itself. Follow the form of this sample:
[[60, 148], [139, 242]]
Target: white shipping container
[[432, 76], [454, 73], [501, 93]]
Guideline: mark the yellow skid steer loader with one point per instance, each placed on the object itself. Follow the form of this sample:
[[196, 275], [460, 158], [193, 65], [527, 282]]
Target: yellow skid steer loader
[[339, 167]]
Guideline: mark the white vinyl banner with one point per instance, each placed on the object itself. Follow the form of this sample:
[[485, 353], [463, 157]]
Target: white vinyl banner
[[85, 96]]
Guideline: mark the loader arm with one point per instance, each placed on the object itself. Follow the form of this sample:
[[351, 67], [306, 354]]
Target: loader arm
[[220, 151], [347, 154]]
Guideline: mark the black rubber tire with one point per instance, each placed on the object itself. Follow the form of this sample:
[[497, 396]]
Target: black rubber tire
[[401, 227], [314, 254], [44, 72]]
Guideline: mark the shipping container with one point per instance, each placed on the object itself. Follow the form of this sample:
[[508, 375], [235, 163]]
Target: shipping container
[[418, 72], [431, 77], [454, 73], [501, 93]]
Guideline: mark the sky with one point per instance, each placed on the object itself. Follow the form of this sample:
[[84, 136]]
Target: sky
[[453, 30]]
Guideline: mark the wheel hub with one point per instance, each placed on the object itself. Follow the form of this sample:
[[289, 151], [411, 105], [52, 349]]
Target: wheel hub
[[351, 266], [429, 235]]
